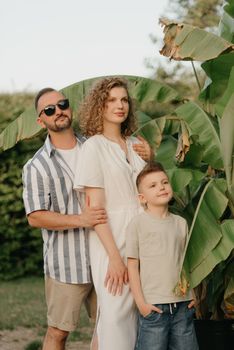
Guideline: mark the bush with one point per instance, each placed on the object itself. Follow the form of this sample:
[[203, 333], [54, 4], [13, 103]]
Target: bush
[[21, 246]]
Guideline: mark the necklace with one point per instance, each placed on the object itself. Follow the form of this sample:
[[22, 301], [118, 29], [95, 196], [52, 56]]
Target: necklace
[[122, 140], [122, 144]]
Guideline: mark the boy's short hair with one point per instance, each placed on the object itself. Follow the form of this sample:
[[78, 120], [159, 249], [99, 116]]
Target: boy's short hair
[[151, 167]]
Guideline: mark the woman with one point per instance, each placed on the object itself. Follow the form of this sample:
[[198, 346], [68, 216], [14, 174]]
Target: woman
[[107, 169]]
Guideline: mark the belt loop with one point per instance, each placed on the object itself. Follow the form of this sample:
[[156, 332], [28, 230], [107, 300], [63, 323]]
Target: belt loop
[[170, 309], [175, 305]]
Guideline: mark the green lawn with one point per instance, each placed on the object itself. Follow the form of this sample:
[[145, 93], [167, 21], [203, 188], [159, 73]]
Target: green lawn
[[22, 304]]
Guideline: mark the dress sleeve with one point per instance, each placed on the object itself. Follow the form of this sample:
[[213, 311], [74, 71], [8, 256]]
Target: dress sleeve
[[132, 244], [88, 171]]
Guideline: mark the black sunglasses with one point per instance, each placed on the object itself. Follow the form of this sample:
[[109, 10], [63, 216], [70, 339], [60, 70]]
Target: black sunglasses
[[50, 109]]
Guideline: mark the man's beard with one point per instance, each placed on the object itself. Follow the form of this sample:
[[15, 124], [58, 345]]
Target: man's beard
[[59, 126]]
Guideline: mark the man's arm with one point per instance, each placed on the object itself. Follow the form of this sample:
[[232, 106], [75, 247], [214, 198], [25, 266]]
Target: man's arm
[[56, 221], [117, 271], [136, 289], [39, 215]]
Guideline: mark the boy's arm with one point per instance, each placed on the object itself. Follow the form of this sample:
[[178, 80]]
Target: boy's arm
[[136, 289]]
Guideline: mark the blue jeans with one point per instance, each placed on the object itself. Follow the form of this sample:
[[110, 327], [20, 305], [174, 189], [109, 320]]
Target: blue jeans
[[171, 330]]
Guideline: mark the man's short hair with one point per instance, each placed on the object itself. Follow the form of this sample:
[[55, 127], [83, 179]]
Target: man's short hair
[[151, 167], [41, 93]]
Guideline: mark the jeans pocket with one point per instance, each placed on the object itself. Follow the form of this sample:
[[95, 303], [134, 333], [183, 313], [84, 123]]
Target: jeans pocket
[[190, 312], [149, 315], [152, 317]]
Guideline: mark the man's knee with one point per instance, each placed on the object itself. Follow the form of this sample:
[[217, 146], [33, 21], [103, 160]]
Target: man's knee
[[56, 334]]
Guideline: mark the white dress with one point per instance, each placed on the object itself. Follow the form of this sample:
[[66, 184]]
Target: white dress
[[102, 163]]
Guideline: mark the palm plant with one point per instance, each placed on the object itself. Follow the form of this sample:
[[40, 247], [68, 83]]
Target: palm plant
[[207, 144]]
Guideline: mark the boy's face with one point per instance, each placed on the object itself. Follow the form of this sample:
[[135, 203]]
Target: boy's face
[[155, 189]]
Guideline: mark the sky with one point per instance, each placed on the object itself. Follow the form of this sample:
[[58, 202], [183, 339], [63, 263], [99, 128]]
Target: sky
[[60, 42]]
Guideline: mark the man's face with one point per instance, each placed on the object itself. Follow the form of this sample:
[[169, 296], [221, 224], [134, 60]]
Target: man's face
[[60, 120]]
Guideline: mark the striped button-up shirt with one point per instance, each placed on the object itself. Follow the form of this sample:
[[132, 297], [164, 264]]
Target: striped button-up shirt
[[48, 185]]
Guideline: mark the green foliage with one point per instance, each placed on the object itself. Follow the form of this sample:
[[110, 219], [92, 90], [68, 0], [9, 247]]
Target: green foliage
[[200, 13], [12, 105], [22, 302], [208, 205], [21, 246], [34, 345], [151, 97]]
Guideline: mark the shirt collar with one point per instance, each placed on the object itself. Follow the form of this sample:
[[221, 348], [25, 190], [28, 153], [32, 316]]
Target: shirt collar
[[52, 150]]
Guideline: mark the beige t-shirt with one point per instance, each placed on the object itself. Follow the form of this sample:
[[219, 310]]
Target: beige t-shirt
[[159, 245]]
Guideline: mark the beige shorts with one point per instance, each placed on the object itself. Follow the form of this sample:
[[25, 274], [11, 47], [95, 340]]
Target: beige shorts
[[64, 302]]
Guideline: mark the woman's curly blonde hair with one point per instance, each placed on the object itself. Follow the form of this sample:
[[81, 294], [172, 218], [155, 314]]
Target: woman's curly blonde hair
[[92, 108]]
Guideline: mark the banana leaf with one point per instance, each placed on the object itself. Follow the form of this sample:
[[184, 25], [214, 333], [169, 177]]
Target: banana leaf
[[222, 103], [200, 125], [149, 94], [185, 42], [211, 240], [227, 144], [218, 70], [152, 130], [226, 25], [166, 152], [182, 177]]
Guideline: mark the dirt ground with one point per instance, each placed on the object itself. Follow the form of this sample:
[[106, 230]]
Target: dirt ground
[[18, 339]]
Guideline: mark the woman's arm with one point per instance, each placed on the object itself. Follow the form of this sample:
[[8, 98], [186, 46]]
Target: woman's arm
[[117, 272]]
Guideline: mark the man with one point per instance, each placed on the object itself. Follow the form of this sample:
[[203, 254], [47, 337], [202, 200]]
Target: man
[[53, 205]]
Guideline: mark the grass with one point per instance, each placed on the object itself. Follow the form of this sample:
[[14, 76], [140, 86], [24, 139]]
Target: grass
[[22, 303]]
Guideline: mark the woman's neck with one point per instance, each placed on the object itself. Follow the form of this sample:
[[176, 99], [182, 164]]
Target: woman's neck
[[113, 133]]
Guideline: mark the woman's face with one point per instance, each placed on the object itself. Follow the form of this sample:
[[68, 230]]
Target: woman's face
[[116, 107]]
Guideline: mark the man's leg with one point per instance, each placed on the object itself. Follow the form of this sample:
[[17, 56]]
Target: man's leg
[[64, 302], [55, 339], [91, 308]]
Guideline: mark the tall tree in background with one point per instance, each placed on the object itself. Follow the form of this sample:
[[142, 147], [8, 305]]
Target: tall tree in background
[[180, 75], [199, 13]]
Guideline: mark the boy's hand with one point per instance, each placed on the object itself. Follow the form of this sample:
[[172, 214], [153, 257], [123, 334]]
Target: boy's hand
[[146, 309], [192, 304]]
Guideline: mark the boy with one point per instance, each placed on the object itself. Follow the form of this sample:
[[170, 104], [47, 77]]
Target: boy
[[156, 241]]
